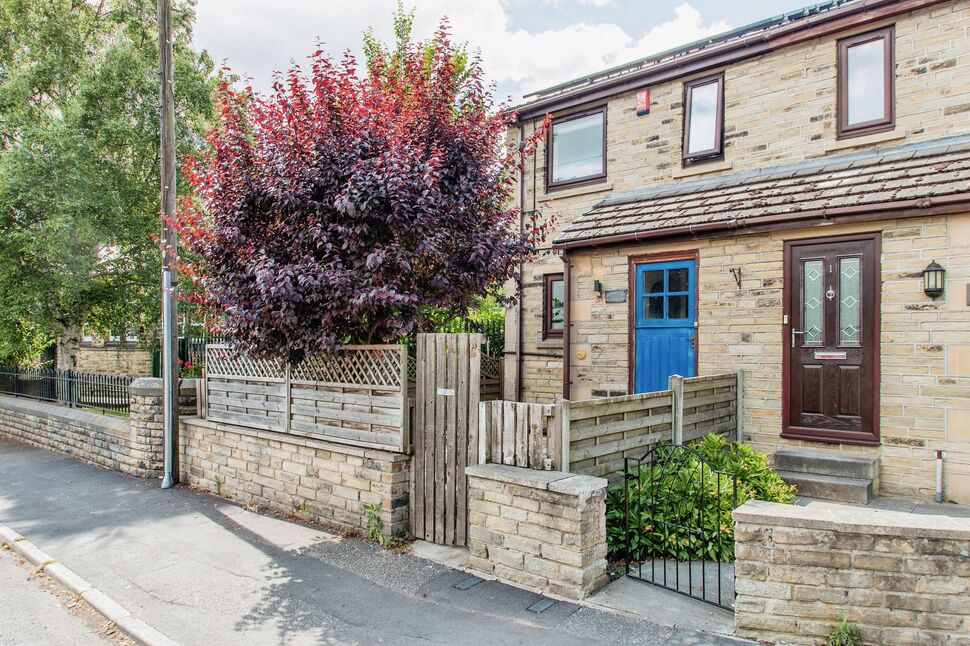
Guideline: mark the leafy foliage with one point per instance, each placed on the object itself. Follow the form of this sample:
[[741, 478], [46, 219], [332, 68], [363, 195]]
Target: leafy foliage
[[680, 507], [342, 206], [845, 634], [79, 184]]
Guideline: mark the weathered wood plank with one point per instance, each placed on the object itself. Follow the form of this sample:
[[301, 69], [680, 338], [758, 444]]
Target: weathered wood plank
[[386, 440], [695, 401], [610, 407], [619, 446], [622, 426], [466, 437], [240, 387], [265, 423], [378, 401], [451, 438], [538, 438], [360, 417], [417, 463], [441, 412], [521, 435], [508, 433]]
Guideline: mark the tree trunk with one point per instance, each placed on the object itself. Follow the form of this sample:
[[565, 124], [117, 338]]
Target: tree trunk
[[68, 347]]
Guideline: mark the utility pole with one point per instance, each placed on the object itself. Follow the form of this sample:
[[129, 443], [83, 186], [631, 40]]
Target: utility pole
[[170, 368]]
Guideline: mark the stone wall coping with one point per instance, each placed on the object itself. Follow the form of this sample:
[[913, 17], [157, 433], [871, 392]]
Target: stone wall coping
[[112, 424], [151, 386], [556, 481], [854, 519], [297, 440]]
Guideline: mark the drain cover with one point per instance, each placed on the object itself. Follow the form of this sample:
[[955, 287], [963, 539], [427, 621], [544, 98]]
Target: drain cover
[[464, 584], [541, 605]]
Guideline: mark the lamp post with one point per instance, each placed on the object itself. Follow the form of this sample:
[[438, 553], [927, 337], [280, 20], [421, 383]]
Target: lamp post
[[169, 244]]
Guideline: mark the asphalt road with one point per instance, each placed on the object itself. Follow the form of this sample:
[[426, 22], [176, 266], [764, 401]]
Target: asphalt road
[[205, 571], [35, 611]]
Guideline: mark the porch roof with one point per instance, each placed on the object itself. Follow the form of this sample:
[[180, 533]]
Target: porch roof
[[924, 178]]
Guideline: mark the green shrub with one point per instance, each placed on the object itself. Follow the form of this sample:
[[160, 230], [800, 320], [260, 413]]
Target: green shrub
[[680, 508], [845, 634]]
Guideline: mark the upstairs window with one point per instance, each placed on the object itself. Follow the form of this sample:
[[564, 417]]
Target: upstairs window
[[554, 315], [704, 119], [577, 149], [865, 83]]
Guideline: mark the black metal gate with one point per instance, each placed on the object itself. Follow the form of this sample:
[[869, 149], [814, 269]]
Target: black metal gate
[[676, 533]]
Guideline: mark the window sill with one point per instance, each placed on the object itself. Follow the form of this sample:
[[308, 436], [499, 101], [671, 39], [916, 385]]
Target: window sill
[[865, 140], [551, 343], [574, 192], [701, 169]]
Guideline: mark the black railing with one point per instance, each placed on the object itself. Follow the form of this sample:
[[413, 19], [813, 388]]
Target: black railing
[[76, 389], [679, 531]]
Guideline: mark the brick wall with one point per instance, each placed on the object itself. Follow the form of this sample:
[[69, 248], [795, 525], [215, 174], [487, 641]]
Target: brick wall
[[115, 360], [130, 444], [283, 471], [902, 578], [542, 529]]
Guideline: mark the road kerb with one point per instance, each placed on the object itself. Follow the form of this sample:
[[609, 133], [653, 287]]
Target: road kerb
[[71, 581]]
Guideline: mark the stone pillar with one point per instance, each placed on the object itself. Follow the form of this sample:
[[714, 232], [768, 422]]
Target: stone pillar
[[542, 529], [145, 412]]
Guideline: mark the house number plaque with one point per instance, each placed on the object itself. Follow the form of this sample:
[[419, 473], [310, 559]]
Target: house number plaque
[[615, 296]]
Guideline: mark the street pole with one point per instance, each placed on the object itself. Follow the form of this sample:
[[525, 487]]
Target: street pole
[[170, 374]]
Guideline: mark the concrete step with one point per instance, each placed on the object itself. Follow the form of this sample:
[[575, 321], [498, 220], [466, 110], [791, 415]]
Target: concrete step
[[825, 487], [843, 465]]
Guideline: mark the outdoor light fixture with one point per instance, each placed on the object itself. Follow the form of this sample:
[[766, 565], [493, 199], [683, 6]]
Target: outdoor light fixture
[[933, 280], [598, 286]]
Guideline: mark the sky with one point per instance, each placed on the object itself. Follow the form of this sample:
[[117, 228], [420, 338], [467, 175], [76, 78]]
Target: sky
[[525, 45]]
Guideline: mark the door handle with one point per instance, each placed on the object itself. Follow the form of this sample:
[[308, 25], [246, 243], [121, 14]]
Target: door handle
[[793, 333]]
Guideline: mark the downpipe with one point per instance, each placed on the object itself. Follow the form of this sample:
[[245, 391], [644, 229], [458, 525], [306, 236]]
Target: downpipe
[[940, 457]]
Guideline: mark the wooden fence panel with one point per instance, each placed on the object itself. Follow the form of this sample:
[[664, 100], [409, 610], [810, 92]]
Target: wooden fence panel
[[521, 435], [446, 428], [358, 396], [710, 406], [602, 432]]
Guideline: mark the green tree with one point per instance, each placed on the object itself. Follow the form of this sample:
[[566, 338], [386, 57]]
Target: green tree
[[79, 183]]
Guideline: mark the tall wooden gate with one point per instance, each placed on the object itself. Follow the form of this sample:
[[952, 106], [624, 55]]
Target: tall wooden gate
[[445, 435]]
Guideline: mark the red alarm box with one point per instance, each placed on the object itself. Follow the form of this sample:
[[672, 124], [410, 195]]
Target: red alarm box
[[643, 102]]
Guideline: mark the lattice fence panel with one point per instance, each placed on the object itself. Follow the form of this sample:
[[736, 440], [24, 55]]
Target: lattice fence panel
[[224, 361], [357, 365]]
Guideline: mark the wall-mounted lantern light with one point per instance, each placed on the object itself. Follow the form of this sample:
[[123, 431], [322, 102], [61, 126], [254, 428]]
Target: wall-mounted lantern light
[[598, 287], [933, 280]]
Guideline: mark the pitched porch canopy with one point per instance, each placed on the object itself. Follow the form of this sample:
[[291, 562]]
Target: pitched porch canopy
[[914, 180]]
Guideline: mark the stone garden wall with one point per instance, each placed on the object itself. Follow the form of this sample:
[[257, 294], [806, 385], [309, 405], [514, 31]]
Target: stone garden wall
[[542, 529], [903, 578], [293, 474], [130, 444]]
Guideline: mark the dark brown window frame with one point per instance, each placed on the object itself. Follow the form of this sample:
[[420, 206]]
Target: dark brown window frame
[[844, 129], [547, 331], [578, 181], [716, 153]]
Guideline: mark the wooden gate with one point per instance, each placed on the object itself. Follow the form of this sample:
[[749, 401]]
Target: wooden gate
[[445, 433]]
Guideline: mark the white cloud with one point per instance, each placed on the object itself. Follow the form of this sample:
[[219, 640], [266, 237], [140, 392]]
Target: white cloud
[[596, 3], [258, 37]]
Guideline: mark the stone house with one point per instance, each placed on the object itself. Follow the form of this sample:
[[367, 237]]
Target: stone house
[[774, 200]]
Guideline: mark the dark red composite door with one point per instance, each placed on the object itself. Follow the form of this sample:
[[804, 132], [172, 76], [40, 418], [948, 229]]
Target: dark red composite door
[[831, 339]]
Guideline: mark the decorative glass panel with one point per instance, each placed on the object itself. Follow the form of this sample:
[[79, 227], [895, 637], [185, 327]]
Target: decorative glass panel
[[577, 148], [702, 128], [653, 281], [812, 305], [866, 82], [677, 280], [653, 307], [676, 307], [556, 307], [849, 303]]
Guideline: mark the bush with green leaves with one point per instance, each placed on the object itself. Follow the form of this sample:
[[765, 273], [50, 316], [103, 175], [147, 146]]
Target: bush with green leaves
[[845, 634], [680, 503]]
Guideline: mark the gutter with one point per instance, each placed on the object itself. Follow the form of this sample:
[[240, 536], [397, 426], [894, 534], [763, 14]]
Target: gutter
[[746, 47], [913, 208]]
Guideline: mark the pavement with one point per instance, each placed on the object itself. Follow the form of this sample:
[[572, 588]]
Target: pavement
[[36, 611], [202, 570]]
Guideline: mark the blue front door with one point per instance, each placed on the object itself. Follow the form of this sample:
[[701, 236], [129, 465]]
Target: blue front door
[[664, 331]]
